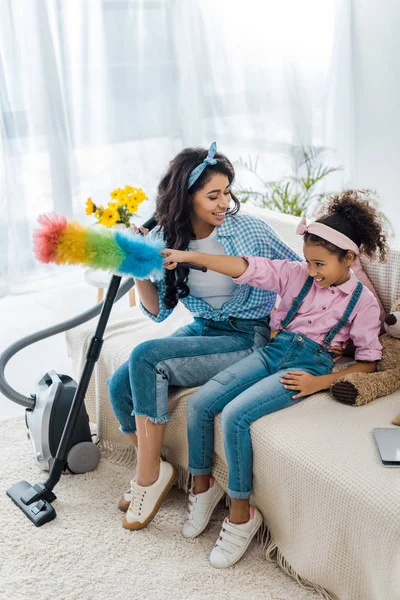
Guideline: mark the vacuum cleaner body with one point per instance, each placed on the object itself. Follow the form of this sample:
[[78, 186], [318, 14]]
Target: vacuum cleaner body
[[46, 422]]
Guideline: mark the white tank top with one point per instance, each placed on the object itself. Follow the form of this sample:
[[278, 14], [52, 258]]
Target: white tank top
[[213, 288]]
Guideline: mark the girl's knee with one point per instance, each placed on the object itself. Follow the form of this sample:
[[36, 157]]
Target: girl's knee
[[231, 419], [200, 404]]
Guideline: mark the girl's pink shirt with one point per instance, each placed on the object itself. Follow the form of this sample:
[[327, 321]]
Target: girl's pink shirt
[[321, 309]]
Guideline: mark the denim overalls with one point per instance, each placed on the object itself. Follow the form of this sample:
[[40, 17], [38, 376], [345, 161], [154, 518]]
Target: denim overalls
[[251, 389]]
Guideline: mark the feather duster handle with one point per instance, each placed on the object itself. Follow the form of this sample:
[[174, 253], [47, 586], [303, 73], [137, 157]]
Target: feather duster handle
[[67, 242]]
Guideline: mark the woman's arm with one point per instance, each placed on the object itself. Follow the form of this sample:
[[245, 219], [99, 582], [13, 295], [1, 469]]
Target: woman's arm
[[148, 295], [307, 384], [234, 266]]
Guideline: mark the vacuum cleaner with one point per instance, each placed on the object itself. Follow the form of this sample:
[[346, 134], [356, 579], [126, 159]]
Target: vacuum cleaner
[[55, 416]]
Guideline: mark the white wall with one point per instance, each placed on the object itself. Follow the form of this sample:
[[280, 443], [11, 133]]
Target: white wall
[[376, 68]]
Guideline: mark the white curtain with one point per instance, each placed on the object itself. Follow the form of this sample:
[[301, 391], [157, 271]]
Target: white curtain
[[97, 94]]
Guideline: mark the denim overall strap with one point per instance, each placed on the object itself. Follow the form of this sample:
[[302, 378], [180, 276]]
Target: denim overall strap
[[343, 321], [297, 302]]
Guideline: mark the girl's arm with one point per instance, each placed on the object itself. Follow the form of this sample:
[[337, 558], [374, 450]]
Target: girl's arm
[[234, 266]]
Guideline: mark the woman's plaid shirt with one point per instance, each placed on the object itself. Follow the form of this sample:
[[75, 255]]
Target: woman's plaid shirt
[[240, 235]]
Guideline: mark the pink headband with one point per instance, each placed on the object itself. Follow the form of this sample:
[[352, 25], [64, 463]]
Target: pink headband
[[327, 233]]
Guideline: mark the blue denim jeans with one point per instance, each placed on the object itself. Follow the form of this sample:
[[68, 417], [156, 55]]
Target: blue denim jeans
[[245, 392], [188, 358]]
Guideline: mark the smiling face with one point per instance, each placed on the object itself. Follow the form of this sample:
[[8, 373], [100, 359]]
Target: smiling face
[[210, 203], [325, 267]]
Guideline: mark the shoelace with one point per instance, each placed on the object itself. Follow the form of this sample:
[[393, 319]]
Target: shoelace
[[138, 495]]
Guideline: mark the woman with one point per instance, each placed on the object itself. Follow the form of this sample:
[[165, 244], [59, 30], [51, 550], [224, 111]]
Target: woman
[[195, 210]]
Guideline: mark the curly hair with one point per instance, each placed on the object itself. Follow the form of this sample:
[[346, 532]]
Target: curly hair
[[353, 213], [174, 210]]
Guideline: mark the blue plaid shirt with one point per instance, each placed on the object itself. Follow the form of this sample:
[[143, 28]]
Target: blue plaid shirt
[[240, 235]]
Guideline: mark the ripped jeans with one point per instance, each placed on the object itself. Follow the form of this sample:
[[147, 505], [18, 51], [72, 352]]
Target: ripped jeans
[[188, 358]]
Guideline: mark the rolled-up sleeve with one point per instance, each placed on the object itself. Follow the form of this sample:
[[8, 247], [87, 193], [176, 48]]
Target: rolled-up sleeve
[[365, 329], [160, 286], [163, 311], [267, 274]]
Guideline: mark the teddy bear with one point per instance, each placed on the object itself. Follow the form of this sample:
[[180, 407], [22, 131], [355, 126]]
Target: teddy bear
[[361, 388]]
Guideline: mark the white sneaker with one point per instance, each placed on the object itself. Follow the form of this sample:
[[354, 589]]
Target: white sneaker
[[201, 507], [234, 540], [146, 501], [125, 500]]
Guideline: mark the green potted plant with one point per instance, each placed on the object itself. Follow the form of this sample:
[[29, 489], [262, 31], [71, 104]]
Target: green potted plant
[[296, 194]]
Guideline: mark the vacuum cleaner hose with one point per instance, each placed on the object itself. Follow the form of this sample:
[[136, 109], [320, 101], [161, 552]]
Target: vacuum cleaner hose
[[8, 353]]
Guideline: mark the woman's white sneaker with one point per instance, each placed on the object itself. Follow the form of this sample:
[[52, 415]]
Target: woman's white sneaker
[[146, 501], [125, 500], [234, 540], [201, 507]]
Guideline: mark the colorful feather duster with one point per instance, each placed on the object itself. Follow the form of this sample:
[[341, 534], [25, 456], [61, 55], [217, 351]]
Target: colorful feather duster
[[67, 242]]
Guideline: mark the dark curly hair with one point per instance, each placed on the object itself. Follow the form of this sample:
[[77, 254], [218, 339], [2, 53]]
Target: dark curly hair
[[174, 210], [352, 212]]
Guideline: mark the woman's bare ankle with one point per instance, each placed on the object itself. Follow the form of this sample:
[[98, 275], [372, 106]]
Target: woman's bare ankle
[[201, 483], [148, 476]]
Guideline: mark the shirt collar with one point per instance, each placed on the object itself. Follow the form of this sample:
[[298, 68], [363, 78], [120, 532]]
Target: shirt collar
[[348, 286]]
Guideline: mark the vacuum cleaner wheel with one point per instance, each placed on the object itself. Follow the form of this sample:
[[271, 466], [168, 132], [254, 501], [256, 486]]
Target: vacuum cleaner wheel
[[83, 457]]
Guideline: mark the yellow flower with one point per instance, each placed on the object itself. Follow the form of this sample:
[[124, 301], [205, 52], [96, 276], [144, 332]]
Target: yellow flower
[[122, 198], [140, 195], [90, 207], [109, 217], [115, 194], [132, 206]]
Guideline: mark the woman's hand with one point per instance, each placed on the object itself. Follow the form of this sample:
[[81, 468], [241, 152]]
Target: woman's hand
[[303, 382], [173, 257], [135, 229]]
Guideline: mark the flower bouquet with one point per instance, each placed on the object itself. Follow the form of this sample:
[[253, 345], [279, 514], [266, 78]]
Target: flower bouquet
[[123, 205]]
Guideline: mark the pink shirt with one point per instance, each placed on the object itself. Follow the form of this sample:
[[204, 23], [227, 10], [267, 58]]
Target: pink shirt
[[321, 309]]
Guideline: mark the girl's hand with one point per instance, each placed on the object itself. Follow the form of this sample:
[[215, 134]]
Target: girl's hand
[[173, 257], [337, 351], [303, 382]]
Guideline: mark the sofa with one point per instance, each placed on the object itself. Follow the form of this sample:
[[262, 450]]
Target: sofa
[[331, 510]]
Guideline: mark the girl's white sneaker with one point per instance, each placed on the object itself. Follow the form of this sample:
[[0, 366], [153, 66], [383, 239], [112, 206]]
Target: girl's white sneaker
[[234, 540], [201, 507]]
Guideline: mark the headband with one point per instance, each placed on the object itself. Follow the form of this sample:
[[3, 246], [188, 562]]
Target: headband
[[330, 235], [209, 160]]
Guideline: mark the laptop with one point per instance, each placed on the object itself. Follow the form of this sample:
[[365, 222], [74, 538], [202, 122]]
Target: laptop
[[388, 442]]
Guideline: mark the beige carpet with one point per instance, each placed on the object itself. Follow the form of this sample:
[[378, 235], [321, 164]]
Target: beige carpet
[[85, 554]]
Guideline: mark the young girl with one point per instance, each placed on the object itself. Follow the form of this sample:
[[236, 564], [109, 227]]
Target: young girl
[[195, 210], [322, 303]]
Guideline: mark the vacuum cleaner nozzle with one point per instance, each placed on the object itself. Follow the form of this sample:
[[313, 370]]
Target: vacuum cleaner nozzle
[[34, 501]]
